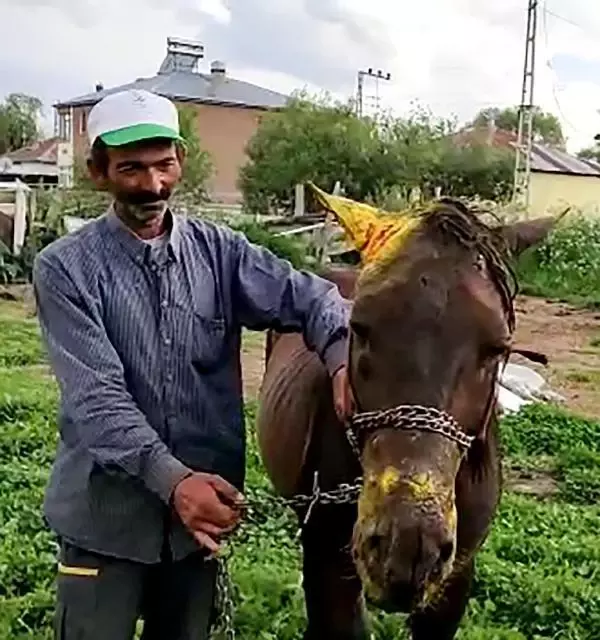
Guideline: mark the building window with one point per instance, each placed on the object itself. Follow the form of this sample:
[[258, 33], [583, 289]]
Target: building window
[[64, 125], [82, 122]]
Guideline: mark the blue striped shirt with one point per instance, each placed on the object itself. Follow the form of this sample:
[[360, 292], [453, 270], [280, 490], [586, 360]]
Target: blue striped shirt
[[146, 351]]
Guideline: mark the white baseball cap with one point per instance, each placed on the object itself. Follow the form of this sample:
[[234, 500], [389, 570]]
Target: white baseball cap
[[133, 115]]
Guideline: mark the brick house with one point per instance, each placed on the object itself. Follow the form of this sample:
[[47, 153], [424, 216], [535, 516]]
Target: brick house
[[229, 111]]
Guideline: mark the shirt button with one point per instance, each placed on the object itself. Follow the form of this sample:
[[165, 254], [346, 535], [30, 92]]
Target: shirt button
[[164, 304], [167, 341], [170, 377]]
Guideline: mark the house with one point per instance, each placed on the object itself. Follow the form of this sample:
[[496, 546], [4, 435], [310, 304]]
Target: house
[[228, 109], [558, 179], [36, 164]]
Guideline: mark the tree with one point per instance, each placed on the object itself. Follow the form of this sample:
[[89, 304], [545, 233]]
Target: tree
[[19, 121], [321, 141], [546, 126], [311, 139], [198, 166], [590, 153]]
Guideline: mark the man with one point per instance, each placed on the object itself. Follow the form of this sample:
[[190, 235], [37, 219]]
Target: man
[[141, 312]]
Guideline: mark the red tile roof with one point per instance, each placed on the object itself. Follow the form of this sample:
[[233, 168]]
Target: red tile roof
[[45, 151]]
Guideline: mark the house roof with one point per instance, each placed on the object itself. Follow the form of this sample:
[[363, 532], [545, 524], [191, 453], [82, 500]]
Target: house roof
[[190, 86], [44, 151], [544, 159]]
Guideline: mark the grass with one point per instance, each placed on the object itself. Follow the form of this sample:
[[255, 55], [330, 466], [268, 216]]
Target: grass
[[538, 575]]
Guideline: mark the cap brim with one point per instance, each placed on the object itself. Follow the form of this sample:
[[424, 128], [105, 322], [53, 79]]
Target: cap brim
[[138, 132]]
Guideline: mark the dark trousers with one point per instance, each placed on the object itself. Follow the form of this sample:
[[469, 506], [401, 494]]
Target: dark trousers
[[102, 598]]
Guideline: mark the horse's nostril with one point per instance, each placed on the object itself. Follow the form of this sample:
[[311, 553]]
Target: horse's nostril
[[446, 551]]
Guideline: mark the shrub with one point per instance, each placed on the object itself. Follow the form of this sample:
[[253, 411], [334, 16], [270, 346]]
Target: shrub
[[567, 264]]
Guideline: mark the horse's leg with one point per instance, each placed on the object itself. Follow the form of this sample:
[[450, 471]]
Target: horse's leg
[[442, 620], [332, 589]]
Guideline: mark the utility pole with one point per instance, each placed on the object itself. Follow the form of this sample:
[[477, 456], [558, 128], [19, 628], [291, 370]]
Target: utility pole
[[526, 111], [378, 75]]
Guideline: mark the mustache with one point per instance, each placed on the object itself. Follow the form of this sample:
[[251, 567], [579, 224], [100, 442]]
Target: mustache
[[146, 197]]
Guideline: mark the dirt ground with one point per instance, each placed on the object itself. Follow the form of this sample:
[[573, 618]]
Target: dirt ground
[[568, 336]]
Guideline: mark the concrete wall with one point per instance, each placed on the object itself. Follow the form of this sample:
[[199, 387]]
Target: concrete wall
[[551, 192]]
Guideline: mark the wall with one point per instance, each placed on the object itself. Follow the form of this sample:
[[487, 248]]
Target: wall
[[551, 192], [224, 133]]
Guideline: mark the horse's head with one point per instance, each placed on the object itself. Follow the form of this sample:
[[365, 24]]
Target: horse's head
[[431, 323]]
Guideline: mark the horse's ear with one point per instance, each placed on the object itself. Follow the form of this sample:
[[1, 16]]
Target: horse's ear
[[520, 236]]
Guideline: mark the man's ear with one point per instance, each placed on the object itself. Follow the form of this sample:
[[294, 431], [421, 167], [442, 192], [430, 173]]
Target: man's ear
[[97, 175], [181, 151], [520, 236]]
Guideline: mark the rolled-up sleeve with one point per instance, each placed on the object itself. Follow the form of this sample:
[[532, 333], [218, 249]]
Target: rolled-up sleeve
[[99, 410], [270, 293]]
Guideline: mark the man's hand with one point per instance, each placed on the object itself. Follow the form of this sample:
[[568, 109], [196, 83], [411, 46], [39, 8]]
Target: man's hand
[[208, 506], [343, 400]]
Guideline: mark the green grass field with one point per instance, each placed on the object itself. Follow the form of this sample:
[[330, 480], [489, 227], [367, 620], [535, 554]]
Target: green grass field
[[538, 574]]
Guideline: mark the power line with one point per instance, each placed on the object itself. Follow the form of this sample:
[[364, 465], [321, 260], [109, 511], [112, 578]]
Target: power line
[[545, 13], [563, 19]]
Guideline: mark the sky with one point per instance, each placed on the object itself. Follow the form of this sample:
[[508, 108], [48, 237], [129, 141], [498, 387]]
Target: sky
[[453, 57]]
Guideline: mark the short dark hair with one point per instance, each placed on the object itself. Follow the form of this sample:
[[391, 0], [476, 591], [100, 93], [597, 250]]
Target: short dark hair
[[99, 156]]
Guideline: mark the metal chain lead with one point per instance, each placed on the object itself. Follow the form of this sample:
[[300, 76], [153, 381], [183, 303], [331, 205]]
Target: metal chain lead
[[406, 417], [344, 493]]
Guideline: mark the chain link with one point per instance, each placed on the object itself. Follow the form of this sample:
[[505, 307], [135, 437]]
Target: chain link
[[262, 506], [409, 418]]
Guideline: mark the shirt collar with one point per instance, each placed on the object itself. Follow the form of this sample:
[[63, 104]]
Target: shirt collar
[[137, 248]]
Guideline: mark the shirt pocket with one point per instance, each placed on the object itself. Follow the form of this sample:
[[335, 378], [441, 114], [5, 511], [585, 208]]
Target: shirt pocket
[[208, 342]]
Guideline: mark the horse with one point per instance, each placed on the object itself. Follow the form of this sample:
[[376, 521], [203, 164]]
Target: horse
[[429, 328]]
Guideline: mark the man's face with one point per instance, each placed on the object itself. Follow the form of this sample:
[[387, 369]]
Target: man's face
[[141, 177]]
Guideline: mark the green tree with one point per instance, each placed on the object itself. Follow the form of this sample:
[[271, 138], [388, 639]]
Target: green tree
[[322, 141], [311, 139], [19, 121], [198, 166], [546, 126], [590, 153]]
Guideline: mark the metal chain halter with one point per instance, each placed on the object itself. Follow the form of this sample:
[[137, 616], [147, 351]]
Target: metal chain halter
[[407, 417]]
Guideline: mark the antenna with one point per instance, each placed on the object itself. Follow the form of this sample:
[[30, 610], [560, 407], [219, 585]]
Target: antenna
[[522, 182]]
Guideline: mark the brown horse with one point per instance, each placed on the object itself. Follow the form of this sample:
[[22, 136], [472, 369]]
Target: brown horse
[[428, 331]]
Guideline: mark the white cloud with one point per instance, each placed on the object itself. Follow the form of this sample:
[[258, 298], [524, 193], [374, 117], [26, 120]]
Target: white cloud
[[456, 56]]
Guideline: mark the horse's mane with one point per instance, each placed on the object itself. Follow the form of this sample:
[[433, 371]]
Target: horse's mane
[[463, 222]]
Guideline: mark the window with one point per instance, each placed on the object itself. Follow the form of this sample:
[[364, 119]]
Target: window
[[64, 125], [83, 122]]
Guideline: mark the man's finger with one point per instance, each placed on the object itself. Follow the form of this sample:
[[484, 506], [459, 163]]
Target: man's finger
[[228, 491], [212, 529], [204, 540]]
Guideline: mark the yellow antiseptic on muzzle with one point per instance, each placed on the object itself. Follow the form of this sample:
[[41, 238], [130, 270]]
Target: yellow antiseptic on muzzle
[[376, 235]]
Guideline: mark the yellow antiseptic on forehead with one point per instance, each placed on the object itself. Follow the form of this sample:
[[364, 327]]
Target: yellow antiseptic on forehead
[[376, 235]]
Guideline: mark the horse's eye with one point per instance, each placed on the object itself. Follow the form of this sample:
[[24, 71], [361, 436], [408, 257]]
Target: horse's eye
[[494, 351]]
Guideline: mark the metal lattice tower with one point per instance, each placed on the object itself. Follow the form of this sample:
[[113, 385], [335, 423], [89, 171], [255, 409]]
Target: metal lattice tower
[[526, 111], [360, 97]]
